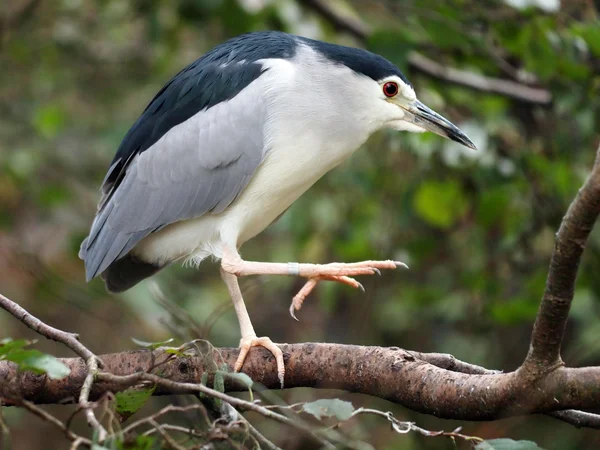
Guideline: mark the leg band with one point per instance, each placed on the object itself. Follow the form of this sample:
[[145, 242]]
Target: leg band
[[293, 268]]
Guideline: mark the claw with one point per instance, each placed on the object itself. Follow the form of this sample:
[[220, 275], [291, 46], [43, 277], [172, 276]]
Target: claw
[[341, 273], [252, 341], [293, 311]]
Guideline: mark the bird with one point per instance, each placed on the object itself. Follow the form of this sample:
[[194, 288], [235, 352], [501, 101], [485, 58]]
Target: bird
[[228, 145]]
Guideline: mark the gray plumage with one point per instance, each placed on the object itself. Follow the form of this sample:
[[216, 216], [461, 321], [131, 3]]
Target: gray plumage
[[175, 164], [199, 166], [198, 143]]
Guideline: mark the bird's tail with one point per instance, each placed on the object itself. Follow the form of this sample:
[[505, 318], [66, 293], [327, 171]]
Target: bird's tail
[[127, 272]]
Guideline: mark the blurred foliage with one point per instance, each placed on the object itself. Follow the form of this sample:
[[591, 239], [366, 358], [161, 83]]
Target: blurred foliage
[[476, 228], [507, 444], [32, 360]]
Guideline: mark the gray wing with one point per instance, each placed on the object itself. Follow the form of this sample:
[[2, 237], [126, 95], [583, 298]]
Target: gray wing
[[197, 167]]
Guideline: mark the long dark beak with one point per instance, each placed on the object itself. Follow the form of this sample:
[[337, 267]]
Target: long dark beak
[[426, 118]]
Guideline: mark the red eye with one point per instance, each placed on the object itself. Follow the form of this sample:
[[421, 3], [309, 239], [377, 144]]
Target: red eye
[[390, 89]]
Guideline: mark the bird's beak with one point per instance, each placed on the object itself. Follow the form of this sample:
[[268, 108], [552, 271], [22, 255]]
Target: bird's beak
[[424, 117]]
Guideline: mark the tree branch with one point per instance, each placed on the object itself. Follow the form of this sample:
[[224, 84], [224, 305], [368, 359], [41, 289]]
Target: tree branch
[[92, 363], [436, 384], [69, 339], [388, 373], [544, 351], [421, 63]]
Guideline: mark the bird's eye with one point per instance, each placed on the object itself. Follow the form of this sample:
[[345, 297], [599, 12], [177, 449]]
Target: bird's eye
[[390, 89]]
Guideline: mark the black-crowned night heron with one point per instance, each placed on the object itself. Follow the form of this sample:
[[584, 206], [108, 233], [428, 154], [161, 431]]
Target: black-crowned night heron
[[229, 144]]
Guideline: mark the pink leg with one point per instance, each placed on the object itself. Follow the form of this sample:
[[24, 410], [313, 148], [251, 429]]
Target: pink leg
[[249, 338], [340, 272], [299, 298]]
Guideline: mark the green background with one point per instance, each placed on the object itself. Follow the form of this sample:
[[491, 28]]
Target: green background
[[476, 228]]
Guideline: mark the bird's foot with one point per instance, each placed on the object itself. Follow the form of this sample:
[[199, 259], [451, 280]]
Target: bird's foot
[[252, 341], [340, 272]]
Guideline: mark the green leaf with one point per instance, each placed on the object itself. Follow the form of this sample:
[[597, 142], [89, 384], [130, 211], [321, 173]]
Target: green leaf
[[151, 345], [7, 345], [335, 407], [175, 351], [591, 34], [440, 203], [507, 444], [32, 360], [219, 381], [219, 386], [131, 400], [47, 364], [203, 382], [242, 378]]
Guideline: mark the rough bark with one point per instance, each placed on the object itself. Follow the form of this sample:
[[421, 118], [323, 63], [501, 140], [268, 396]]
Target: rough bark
[[544, 352], [388, 373]]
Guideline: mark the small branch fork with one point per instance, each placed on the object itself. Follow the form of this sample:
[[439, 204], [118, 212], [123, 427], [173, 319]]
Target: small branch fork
[[570, 242], [71, 341]]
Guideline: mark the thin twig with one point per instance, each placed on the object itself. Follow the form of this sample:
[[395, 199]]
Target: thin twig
[[167, 409], [70, 340], [472, 80], [257, 435], [579, 419], [449, 362], [406, 427], [195, 388], [4, 431], [166, 436], [77, 443], [54, 421], [84, 395], [176, 428]]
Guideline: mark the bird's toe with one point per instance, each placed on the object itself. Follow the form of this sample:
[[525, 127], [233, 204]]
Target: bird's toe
[[246, 343]]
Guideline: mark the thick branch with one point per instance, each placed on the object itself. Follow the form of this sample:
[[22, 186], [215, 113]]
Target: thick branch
[[421, 63], [544, 352], [391, 374]]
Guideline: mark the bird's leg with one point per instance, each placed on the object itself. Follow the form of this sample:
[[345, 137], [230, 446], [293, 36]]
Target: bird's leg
[[249, 338], [340, 272]]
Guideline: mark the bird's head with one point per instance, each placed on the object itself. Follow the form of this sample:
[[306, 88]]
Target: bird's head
[[409, 114], [386, 97]]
